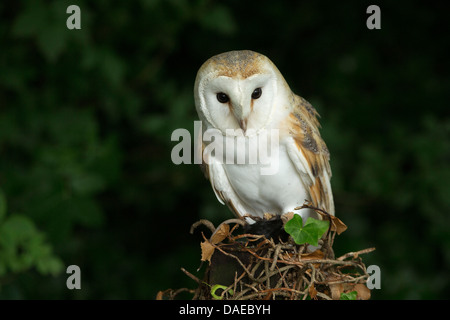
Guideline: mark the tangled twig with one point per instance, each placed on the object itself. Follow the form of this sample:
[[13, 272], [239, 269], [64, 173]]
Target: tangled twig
[[267, 269]]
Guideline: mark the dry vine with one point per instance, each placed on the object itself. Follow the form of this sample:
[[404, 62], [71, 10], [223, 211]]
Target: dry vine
[[277, 270]]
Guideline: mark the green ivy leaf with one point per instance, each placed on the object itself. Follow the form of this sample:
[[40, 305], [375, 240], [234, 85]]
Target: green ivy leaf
[[310, 233], [219, 286], [349, 296]]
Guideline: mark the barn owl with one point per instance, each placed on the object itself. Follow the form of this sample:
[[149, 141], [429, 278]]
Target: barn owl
[[242, 93]]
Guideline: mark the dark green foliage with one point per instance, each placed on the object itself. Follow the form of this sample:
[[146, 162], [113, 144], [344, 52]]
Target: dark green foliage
[[86, 118]]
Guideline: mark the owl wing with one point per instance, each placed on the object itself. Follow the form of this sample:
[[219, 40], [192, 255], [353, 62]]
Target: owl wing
[[309, 153], [215, 173]]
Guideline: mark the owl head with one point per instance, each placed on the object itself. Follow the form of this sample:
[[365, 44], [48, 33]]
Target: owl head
[[239, 90]]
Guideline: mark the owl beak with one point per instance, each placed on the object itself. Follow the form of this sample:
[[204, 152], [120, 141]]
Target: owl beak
[[243, 124]]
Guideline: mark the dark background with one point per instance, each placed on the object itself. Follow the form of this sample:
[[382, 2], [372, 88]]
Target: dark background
[[86, 118]]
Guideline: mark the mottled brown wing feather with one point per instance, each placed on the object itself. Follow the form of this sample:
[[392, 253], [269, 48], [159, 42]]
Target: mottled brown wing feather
[[304, 128]]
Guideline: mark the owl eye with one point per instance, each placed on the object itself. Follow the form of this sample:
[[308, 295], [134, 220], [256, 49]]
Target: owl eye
[[256, 93], [222, 97]]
